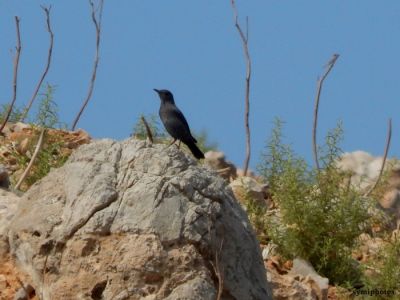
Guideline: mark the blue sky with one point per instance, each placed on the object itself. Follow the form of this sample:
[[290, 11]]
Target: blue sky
[[193, 49]]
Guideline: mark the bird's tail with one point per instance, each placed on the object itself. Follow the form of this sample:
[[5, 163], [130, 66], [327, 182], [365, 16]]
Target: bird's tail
[[195, 150]]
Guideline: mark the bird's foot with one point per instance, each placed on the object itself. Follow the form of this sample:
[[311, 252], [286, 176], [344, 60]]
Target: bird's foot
[[173, 142]]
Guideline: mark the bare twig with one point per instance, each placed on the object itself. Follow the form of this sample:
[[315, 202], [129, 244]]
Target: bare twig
[[245, 38], [16, 63], [47, 67], [219, 272], [328, 68], [148, 130], [35, 154], [388, 139], [97, 24]]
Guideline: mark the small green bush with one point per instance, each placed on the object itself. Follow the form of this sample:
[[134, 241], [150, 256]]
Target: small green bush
[[257, 214], [386, 269], [16, 113], [50, 156], [320, 216], [47, 115]]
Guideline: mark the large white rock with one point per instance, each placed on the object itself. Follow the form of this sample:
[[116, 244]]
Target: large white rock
[[8, 207], [126, 220]]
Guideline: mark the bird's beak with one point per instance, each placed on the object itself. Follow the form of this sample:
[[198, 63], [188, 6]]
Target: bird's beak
[[158, 92]]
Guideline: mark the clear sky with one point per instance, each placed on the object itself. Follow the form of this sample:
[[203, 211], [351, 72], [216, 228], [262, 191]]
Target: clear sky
[[192, 48]]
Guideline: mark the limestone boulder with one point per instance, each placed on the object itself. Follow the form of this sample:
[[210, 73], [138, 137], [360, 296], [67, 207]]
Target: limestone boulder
[[129, 220], [8, 207]]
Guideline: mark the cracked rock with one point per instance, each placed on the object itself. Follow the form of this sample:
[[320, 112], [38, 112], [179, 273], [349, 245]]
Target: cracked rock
[[126, 220]]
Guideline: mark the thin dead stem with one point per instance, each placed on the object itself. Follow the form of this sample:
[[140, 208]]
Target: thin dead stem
[[328, 68], [387, 146], [16, 64], [219, 272], [97, 23], [245, 38], [47, 67], [148, 130], [35, 154]]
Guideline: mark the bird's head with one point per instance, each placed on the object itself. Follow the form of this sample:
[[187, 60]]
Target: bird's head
[[165, 95]]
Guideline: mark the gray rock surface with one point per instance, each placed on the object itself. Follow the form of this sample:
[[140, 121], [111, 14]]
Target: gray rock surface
[[8, 207], [125, 220]]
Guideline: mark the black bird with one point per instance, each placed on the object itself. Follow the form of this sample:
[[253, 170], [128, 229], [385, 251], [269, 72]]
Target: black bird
[[175, 123]]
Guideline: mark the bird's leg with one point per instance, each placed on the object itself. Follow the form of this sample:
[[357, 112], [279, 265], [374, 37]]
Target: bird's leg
[[172, 143], [179, 144]]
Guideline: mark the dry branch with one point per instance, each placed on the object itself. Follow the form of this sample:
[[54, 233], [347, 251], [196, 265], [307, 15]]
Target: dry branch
[[245, 38], [35, 154], [47, 67], [16, 63], [388, 139], [148, 130], [328, 68], [219, 272], [97, 24]]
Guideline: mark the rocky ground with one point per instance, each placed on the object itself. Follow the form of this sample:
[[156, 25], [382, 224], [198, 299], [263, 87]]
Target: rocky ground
[[134, 220]]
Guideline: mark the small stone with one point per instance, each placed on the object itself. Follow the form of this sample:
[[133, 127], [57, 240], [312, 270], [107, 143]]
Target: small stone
[[268, 251], [305, 269]]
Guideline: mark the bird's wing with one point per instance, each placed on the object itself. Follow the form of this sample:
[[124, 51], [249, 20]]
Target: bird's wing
[[178, 114], [176, 122]]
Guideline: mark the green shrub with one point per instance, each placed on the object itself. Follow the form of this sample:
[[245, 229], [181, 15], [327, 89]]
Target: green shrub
[[257, 213], [15, 115], [50, 156], [47, 115], [386, 269], [320, 216]]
